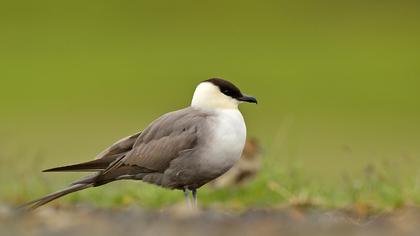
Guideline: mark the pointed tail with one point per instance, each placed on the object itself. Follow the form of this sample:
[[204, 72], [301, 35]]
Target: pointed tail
[[46, 199]]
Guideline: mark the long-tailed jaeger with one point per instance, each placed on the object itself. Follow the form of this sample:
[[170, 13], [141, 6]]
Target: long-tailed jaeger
[[184, 149]]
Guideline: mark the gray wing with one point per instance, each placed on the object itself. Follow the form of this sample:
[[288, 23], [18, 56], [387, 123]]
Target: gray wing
[[104, 159], [120, 147], [163, 141]]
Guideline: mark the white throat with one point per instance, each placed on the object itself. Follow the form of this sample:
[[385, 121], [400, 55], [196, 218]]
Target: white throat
[[208, 95]]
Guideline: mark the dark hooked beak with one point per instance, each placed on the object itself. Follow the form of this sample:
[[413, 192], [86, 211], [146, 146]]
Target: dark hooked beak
[[247, 99]]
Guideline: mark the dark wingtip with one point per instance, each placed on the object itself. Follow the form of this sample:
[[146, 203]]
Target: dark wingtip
[[52, 169], [90, 166], [61, 168], [69, 169]]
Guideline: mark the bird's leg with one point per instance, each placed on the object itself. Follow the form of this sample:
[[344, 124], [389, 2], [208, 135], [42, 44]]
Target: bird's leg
[[187, 196], [194, 194]]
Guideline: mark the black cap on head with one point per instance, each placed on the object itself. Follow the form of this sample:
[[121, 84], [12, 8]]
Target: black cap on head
[[229, 89], [226, 87]]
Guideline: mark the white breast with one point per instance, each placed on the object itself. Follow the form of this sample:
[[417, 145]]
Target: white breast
[[226, 141]]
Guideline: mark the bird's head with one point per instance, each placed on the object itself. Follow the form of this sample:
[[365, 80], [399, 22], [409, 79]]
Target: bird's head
[[219, 93]]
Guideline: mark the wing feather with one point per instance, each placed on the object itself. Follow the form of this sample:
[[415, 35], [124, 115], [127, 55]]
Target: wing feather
[[121, 146], [164, 139]]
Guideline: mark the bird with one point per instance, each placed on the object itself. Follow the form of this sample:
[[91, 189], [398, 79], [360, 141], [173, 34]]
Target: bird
[[182, 150]]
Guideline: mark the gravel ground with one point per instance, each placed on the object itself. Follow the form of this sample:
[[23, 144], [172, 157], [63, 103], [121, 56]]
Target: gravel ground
[[180, 221]]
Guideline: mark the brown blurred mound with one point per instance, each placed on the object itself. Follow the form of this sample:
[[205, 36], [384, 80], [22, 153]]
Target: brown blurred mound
[[245, 170]]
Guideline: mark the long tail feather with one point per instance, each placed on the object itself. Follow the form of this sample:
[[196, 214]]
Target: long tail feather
[[46, 199]]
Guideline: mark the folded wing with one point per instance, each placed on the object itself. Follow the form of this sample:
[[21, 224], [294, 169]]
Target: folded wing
[[104, 159]]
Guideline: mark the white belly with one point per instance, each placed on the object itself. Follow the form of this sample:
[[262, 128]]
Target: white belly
[[227, 141]]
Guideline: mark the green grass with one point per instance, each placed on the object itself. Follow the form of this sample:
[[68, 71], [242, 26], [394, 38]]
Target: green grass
[[380, 186], [285, 188], [337, 84]]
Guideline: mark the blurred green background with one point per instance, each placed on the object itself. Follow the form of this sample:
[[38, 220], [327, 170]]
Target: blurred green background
[[337, 83]]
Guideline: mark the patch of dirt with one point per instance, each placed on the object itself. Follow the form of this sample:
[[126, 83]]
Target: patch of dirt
[[179, 221]]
